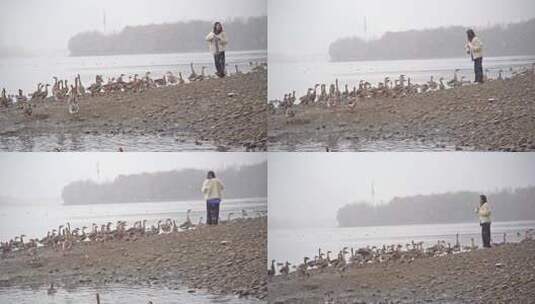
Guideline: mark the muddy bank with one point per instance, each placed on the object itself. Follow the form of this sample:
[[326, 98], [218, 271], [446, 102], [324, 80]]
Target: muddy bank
[[226, 259], [502, 274], [498, 115], [228, 114]]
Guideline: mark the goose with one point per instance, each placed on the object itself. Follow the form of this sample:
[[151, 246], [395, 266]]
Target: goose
[[244, 213], [441, 85], [302, 269], [180, 79], [51, 290], [271, 270], [3, 99], [238, 72], [20, 97], [229, 216], [193, 76], [187, 224], [202, 76], [432, 83], [80, 87], [455, 81], [500, 74], [74, 107], [172, 79], [161, 81], [285, 269]]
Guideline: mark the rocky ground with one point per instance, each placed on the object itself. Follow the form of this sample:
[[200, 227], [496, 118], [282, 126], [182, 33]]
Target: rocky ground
[[498, 115], [226, 259], [503, 274], [228, 113]]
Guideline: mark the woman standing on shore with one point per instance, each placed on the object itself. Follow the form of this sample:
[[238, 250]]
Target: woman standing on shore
[[218, 41], [484, 220], [212, 189], [474, 47]]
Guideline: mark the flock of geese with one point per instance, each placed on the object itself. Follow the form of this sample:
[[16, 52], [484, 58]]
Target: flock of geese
[[64, 237], [62, 91], [350, 257], [397, 88]]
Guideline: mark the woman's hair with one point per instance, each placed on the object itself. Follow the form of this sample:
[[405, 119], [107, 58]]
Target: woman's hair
[[483, 198], [210, 174], [470, 34], [215, 30]]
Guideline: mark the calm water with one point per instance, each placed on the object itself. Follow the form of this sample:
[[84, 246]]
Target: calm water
[[26, 72], [287, 74], [294, 244], [36, 220], [103, 143], [115, 295]]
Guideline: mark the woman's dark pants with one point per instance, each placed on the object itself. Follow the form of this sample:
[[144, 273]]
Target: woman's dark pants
[[212, 211], [219, 60], [478, 69], [485, 234]]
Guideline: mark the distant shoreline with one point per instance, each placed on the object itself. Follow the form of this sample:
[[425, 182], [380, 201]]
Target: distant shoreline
[[204, 50], [233, 199]]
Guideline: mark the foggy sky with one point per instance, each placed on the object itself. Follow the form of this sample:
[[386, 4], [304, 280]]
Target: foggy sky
[[308, 26], [43, 175], [47, 25], [312, 186]]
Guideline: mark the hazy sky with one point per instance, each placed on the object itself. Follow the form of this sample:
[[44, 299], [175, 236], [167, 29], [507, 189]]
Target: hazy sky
[[312, 186], [308, 26], [46, 24], [43, 175]]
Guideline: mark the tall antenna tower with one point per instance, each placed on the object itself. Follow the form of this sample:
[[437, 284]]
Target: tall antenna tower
[[366, 28], [104, 20], [373, 195]]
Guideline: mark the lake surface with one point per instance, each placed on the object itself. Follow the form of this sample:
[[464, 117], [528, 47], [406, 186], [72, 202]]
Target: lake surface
[[26, 72], [101, 143], [116, 294], [36, 220], [292, 73], [292, 244]]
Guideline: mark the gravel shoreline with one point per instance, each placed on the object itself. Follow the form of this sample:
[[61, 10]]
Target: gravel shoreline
[[228, 113], [498, 115], [502, 274], [226, 259]]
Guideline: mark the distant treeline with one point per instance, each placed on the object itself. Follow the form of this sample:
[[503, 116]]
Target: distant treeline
[[244, 34], [506, 205], [446, 42], [243, 182]]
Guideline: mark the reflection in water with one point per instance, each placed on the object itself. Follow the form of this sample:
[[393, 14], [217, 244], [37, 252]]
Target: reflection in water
[[335, 144], [117, 294], [103, 142]]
